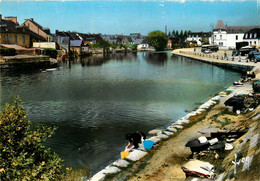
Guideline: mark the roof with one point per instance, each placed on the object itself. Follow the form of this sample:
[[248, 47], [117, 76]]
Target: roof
[[233, 29], [220, 25], [76, 43], [90, 37], [145, 41], [71, 35], [36, 24], [252, 34], [138, 41], [200, 34], [240, 29], [11, 27], [17, 47]]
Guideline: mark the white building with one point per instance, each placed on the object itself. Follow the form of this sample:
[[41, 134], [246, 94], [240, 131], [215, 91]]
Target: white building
[[227, 36], [253, 37], [199, 37]]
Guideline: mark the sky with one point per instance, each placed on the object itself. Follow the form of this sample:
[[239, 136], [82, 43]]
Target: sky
[[133, 16]]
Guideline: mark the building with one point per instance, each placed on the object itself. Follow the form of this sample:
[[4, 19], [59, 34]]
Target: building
[[12, 33], [38, 29], [78, 47], [89, 38], [52, 45], [144, 45], [227, 36], [253, 37], [173, 42], [199, 38]]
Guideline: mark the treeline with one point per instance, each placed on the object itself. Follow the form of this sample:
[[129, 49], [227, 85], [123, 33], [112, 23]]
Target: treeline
[[182, 35]]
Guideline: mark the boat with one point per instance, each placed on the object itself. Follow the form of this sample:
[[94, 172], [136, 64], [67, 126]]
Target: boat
[[197, 168]]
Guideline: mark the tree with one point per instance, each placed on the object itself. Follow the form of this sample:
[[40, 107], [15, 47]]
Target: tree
[[22, 153], [158, 40], [134, 47], [185, 34], [182, 35], [173, 33], [176, 33]]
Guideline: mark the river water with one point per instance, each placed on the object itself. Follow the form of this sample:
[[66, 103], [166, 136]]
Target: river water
[[95, 101]]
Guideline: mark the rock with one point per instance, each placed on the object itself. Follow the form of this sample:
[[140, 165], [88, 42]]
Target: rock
[[154, 131], [111, 169], [168, 133], [172, 129], [98, 176], [155, 139], [136, 155], [228, 146], [177, 126], [162, 136], [121, 163]]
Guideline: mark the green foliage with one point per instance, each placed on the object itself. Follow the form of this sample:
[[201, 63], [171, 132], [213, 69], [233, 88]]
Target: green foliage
[[7, 51], [134, 47], [224, 123], [158, 40], [22, 153], [114, 45], [50, 52], [102, 44]]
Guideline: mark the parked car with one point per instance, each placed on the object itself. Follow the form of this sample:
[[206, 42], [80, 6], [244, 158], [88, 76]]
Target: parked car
[[245, 50], [254, 56]]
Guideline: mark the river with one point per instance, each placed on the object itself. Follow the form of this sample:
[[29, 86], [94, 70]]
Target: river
[[95, 101]]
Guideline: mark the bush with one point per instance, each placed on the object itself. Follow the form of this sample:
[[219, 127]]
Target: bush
[[7, 51], [50, 52], [22, 153]]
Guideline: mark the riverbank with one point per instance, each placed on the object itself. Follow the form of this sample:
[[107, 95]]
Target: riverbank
[[27, 61], [164, 162]]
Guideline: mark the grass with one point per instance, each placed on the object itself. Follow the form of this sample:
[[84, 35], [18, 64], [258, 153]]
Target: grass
[[228, 92], [224, 123]]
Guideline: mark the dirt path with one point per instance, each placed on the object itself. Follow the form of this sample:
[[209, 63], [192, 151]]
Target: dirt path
[[167, 161]]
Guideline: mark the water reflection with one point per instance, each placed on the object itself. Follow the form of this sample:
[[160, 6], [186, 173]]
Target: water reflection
[[157, 58]]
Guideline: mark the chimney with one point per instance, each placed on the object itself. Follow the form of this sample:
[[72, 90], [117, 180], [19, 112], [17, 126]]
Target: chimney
[[12, 18]]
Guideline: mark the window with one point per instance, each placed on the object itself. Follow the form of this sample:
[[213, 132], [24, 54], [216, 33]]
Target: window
[[255, 35], [15, 38], [221, 44], [220, 37], [236, 37], [250, 42], [7, 38], [250, 35], [215, 36], [255, 42], [24, 39], [246, 35]]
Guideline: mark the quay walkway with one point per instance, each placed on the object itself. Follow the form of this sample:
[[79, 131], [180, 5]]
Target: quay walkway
[[239, 63]]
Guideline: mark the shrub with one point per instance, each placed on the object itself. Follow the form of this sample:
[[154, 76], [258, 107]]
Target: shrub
[[22, 153], [7, 51]]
